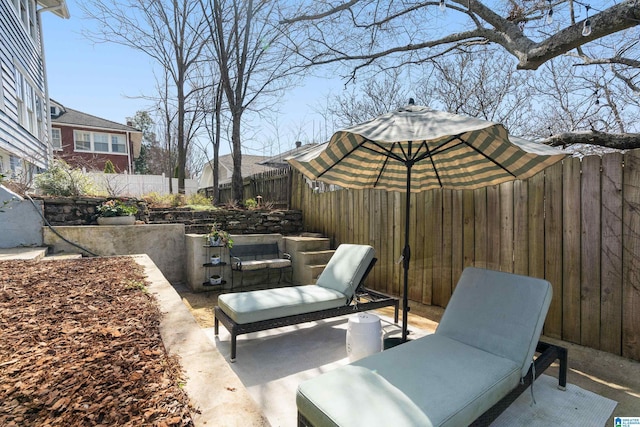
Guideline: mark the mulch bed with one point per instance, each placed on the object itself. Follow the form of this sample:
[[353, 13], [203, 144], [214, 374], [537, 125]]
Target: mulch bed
[[80, 345]]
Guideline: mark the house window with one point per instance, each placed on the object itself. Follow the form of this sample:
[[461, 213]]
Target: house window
[[28, 104], [31, 110], [101, 142], [118, 144], [82, 140], [16, 166], [56, 138], [26, 10], [20, 95], [39, 124]]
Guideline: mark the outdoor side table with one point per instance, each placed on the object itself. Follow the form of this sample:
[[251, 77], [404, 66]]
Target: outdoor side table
[[364, 336]]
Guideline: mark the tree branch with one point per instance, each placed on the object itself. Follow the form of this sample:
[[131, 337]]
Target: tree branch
[[624, 141]]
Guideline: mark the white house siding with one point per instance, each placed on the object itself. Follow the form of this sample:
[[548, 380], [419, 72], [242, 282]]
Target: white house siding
[[19, 50]]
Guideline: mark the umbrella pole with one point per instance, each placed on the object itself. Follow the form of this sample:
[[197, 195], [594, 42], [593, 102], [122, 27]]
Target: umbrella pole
[[406, 256]]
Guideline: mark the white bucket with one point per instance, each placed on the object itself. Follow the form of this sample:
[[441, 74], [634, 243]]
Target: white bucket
[[364, 336]]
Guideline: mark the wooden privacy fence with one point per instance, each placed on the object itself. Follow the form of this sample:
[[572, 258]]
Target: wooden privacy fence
[[274, 186], [577, 224]]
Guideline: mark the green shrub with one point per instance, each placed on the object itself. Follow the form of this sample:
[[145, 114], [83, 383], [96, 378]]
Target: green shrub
[[250, 204], [61, 180], [199, 199], [108, 167]]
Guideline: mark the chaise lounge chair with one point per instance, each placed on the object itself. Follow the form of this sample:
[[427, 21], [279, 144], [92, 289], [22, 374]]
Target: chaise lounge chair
[[473, 367], [338, 291]]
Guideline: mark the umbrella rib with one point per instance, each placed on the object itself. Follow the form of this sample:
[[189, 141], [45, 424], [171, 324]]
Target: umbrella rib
[[384, 151], [342, 158], [440, 149]]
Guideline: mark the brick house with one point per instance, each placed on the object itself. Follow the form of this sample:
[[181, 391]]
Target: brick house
[[87, 141]]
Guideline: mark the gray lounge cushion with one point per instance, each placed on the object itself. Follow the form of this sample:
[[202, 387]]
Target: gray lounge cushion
[[482, 347], [346, 268], [498, 312], [254, 306], [415, 384], [334, 288]]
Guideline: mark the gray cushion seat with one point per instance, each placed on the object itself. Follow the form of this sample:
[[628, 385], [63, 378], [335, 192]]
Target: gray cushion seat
[[261, 264], [334, 288], [484, 344]]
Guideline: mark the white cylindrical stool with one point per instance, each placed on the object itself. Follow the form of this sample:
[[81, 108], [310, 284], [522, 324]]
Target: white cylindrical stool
[[364, 336]]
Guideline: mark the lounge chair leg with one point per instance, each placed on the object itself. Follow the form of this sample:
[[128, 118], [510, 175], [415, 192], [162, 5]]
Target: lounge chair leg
[[216, 327], [562, 374], [233, 347]]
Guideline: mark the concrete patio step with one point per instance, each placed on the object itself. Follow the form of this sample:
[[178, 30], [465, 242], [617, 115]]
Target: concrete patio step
[[34, 254], [296, 244], [314, 271]]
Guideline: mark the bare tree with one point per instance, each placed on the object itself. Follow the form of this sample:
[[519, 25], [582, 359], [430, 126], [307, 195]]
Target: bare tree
[[170, 32], [374, 97], [252, 62]]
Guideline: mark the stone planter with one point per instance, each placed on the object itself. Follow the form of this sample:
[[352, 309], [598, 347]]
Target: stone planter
[[117, 220]]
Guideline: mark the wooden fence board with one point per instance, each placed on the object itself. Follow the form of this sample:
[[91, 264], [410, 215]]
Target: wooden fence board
[[590, 252], [506, 227], [417, 248], [447, 247], [435, 210], [468, 230], [493, 227], [398, 238], [553, 247], [631, 258], [571, 250], [611, 271], [480, 227], [419, 257], [535, 192], [428, 293], [457, 237], [520, 228]]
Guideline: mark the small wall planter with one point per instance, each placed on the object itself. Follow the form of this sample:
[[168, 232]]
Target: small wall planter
[[117, 220]]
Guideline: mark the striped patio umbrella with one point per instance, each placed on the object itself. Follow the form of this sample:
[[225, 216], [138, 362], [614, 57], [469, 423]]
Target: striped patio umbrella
[[415, 149]]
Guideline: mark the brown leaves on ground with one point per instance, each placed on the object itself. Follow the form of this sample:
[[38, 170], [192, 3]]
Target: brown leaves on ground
[[80, 345]]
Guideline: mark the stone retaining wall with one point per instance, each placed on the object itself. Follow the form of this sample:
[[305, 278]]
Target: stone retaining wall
[[286, 222], [81, 210], [68, 211]]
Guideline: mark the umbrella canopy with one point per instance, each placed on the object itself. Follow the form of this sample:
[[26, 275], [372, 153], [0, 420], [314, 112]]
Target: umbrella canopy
[[415, 149], [443, 150]]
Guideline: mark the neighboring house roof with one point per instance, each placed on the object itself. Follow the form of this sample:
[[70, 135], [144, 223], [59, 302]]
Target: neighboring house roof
[[280, 160], [251, 165], [74, 118], [69, 116]]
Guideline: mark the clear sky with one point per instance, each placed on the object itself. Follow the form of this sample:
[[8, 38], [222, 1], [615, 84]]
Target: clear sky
[[105, 79]]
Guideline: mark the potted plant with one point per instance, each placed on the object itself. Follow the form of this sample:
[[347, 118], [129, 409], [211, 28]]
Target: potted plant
[[116, 212], [219, 237], [215, 279]]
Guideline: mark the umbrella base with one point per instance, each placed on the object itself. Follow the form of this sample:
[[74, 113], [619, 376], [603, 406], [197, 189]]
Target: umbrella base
[[392, 342]]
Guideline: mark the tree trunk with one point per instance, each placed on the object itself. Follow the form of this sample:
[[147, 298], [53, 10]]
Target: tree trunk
[[237, 188]]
